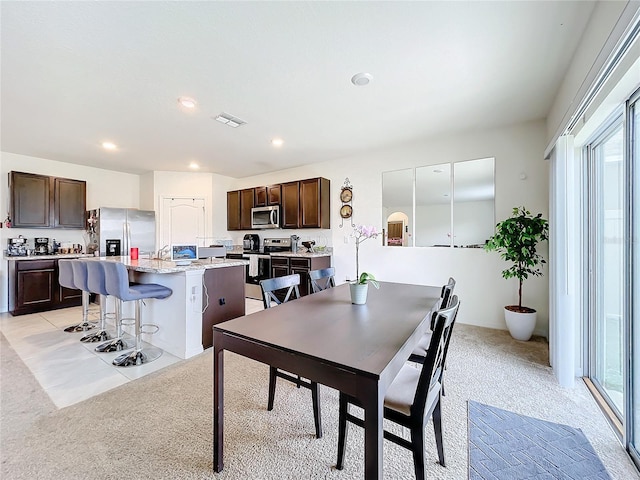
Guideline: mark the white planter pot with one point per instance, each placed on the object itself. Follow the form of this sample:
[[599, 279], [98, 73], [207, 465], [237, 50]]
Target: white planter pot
[[359, 293], [520, 325]]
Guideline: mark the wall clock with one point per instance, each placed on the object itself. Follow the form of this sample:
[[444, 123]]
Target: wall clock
[[346, 197]]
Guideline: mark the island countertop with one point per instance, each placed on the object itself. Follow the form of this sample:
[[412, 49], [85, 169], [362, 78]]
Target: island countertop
[[146, 265]]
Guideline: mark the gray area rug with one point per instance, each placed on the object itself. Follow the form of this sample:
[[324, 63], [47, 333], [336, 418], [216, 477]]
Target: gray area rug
[[506, 445]]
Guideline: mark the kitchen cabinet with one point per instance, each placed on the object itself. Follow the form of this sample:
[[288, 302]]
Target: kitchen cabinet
[[69, 203], [290, 205], [34, 287], [239, 205], [267, 196], [281, 266], [222, 298], [233, 210], [247, 202], [39, 201], [314, 203]]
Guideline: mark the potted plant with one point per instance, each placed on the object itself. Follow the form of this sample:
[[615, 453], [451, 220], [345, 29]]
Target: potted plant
[[516, 239], [360, 286]]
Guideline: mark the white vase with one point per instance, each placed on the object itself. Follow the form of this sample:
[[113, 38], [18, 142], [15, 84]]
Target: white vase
[[520, 324], [359, 293]]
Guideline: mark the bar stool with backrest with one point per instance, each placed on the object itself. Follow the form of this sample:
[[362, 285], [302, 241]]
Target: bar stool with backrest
[[322, 279], [412, 399], [117, 284], [288, 288], [66, 278], [82, 279]]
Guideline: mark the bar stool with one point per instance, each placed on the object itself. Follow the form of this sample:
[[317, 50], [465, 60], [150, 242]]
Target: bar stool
[[97, 283], [66, 279], [81, 279], [117, 284]]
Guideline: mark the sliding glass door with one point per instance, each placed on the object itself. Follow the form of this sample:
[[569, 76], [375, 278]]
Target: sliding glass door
[[606, 268], [633, 399], [613, 260]]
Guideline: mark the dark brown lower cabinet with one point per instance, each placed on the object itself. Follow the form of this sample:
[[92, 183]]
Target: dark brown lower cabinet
[[34, 287], [281, 266], [223, 297]]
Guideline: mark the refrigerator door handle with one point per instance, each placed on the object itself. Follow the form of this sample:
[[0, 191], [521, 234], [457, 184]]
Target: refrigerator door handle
[[126, 239]]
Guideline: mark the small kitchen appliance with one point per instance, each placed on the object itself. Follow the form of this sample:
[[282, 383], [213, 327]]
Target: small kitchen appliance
[[251, 243], [41, 246], [17, 247]]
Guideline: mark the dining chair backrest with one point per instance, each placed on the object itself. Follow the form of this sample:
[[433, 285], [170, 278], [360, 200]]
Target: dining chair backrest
[[433, 367], [445, 297], [80, 275], [65, 273], [322, 279], [272, 285]]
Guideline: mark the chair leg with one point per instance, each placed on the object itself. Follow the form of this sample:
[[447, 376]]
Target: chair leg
[[342, 431], [315, 395], [272, 387], [437, 427], [417, 448], [117, 344], [101, 335]]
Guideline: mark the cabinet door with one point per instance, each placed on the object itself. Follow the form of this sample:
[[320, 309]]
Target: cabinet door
[[70, 201], [290, 205], [273, 195], [279, 266], [233, 210], [247, 200], [314, 203], [301, 267], [30, 200], [225, 297], [261, 196], [36, 286]]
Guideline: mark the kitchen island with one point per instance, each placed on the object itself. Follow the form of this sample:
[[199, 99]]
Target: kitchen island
[[205, 292]]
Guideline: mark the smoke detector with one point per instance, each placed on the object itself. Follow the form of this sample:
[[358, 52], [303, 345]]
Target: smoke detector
[[361, 79]]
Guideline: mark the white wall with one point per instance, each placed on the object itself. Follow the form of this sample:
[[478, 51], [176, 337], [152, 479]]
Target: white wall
[[483, 292], [105, 188]]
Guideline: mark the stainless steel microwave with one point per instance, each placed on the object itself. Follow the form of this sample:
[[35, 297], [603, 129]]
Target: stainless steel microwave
[[265, 217]]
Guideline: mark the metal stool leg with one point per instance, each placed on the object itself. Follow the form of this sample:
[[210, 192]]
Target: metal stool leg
[[101, 335], [139, 355], [118, 343], [85, 325]]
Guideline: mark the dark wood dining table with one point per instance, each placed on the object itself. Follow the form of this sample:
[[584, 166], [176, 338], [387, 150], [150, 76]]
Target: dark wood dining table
[[357, 349]]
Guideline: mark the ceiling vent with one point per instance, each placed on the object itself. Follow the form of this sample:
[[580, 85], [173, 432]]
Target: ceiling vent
[[229, 120]]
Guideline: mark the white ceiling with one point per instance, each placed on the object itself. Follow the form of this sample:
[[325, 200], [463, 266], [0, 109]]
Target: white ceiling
[[74, 74]]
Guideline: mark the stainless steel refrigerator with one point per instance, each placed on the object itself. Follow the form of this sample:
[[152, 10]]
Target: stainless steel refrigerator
[[123, 227]]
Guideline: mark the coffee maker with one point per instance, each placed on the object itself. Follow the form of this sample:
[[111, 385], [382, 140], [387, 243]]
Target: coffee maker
[[251, 242], [41, 246], [17, 247]]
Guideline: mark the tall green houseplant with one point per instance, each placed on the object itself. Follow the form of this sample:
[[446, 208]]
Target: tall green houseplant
[[516, 239]]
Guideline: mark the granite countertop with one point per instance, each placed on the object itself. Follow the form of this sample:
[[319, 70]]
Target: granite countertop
[[146, 265], [301, 254], [48, 257]]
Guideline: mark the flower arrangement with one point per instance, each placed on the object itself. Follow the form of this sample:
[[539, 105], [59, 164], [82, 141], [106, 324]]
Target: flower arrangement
[[362, 233]]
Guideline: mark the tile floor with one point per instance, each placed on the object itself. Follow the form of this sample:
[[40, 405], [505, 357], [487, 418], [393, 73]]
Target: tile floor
[[68, 370]]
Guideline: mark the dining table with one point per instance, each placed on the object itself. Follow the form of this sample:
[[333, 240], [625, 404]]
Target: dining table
[[356, 349]]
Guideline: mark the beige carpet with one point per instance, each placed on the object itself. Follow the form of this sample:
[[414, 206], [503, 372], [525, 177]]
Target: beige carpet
[[160, 426]]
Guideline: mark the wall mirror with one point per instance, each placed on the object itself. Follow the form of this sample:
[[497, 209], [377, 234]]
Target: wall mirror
[[452, 204]]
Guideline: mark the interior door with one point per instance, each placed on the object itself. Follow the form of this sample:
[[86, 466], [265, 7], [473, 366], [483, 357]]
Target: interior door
[[183, 221]]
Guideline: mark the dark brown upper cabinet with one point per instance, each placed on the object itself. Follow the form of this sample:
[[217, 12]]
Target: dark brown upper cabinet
[[233, 210], [273, 194], [39, 201], [290, 205], [314, 203], [247, 202]]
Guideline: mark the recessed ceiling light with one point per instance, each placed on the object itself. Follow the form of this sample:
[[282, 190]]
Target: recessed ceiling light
[[229, 120], [361, 79], [277, 142], [194, 166], [109, 146], [187, 102]]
